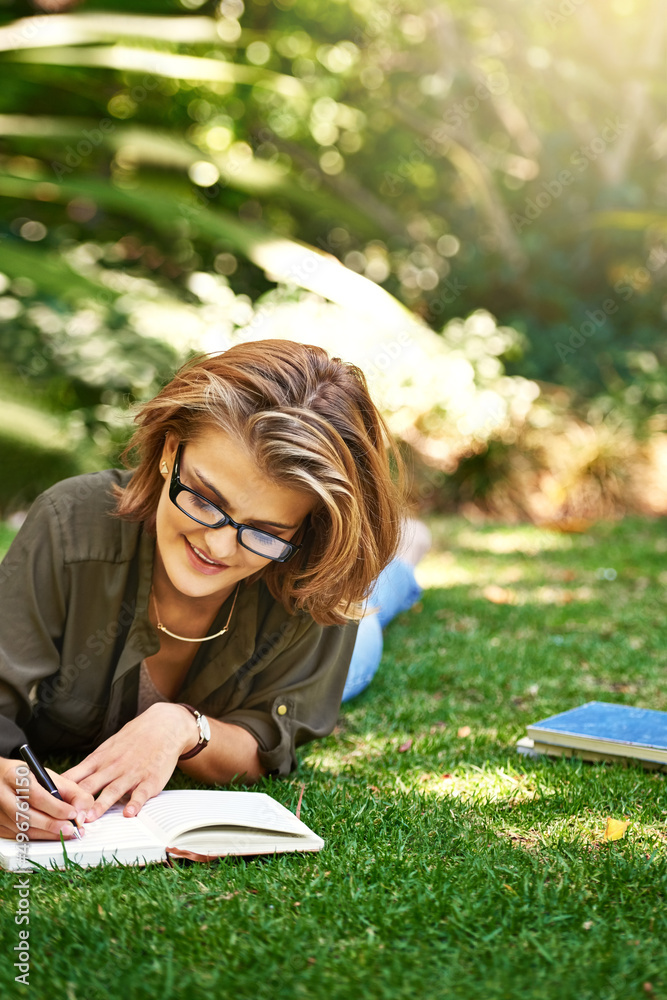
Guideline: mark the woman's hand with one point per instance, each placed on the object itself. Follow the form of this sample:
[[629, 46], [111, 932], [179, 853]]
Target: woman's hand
[[45, 815], [140, 759]]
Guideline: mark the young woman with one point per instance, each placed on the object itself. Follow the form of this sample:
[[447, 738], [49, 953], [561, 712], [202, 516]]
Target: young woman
[[200, 611]]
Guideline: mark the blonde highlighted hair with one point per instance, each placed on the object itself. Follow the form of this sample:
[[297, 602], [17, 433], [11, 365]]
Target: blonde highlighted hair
[[308, 422]]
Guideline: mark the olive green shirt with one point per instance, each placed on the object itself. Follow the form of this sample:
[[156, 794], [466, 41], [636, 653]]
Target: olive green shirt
[[74, 628]]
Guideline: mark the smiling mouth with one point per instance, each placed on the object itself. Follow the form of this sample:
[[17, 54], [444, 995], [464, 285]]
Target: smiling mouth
[[204, 558]]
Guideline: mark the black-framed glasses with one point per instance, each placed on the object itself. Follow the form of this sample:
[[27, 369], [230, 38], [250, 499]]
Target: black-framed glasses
[[201, 510]]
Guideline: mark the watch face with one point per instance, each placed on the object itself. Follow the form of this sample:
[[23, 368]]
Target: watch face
[[204, 727]]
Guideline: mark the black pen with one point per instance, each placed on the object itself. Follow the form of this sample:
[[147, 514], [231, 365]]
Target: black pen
[[44, 779]]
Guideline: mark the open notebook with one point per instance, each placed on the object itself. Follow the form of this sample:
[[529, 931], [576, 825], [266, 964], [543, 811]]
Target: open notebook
[[200, 825]]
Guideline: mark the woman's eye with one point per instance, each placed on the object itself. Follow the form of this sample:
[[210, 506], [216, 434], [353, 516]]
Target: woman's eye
[[201, 504]]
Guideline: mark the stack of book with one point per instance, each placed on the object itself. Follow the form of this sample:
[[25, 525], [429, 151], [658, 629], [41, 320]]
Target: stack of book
[[600, 730]]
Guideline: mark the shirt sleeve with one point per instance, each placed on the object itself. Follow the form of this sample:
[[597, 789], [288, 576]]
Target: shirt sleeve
[[296, 697], [33, 602]]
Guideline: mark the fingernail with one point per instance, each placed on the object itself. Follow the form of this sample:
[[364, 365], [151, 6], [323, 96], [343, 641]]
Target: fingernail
[[131, 810], [90, 816], [67, 830], [81, 818]]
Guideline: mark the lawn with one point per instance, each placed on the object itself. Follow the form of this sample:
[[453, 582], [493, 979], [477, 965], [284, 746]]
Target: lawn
[[453, 867]]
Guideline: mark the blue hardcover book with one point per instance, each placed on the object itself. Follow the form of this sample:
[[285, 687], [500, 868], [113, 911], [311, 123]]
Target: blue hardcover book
[[599, 730]]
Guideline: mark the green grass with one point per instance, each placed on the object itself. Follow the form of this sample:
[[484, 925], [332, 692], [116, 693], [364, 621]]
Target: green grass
[[493, 882]]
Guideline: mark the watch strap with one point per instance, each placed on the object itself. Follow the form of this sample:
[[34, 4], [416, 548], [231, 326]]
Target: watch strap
[[202, 741]]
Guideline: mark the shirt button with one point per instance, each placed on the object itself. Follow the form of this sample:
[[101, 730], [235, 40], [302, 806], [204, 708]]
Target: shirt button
[[282, 709]]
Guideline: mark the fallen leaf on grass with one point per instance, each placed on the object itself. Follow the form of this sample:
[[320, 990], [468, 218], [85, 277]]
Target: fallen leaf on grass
[[405, 746], [615, 828], [499, 595], [587, 924], [463, 731], [569, 525]]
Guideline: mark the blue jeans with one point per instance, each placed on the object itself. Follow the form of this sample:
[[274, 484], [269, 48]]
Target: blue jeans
[[395, 590]]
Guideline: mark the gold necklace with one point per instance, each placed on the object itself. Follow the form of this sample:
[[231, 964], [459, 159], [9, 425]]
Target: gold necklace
[[185, 638]]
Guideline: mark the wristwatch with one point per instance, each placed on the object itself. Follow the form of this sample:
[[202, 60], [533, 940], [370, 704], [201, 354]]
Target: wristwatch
[[204, 732]]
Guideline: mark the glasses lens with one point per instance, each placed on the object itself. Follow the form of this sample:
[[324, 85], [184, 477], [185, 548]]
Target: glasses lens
[[198, 508], [263, 544]]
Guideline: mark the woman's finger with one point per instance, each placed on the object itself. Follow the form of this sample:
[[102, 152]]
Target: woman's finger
[[35, 834], [41, 802], [40, 827], [140, 796], [80, 771], [107, 798], [78, 798]]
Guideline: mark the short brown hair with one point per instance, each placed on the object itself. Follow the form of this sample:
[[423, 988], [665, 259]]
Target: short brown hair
[[309, 423]]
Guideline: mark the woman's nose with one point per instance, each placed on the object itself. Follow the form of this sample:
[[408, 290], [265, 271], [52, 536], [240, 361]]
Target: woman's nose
[[222, 542]]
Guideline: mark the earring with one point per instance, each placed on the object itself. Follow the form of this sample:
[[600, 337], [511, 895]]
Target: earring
[[164, 468]]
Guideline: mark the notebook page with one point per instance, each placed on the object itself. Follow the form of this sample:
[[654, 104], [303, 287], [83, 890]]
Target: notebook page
[[115, 830], [112, 834], [172, 813], [218, 841]]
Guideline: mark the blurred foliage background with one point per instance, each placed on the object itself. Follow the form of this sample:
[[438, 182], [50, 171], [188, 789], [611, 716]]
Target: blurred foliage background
[[469, 199]]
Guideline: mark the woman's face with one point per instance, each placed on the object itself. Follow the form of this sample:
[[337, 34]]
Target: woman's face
[[201, 561]]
